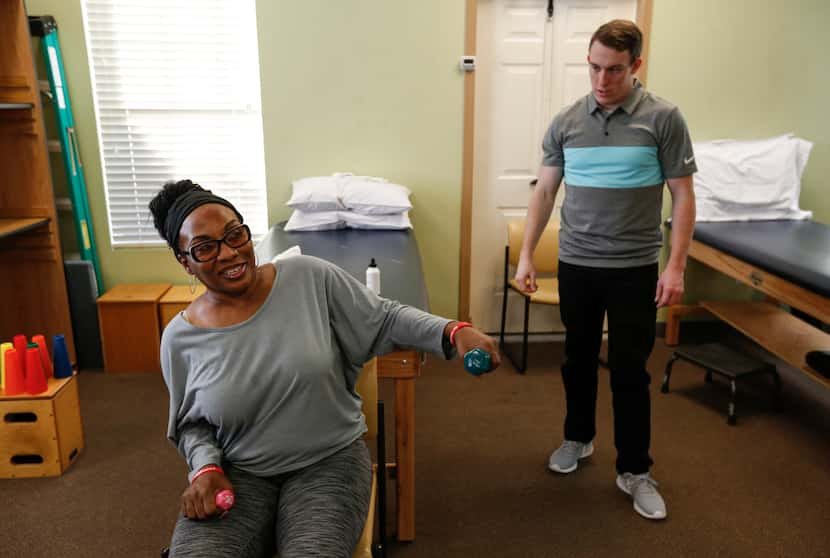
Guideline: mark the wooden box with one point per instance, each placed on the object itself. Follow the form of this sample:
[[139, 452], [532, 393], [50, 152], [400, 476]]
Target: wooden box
[[40, 435], [176, 299], [130, 334]]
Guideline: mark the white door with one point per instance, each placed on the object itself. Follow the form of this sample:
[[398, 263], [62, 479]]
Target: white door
[[528, 68]]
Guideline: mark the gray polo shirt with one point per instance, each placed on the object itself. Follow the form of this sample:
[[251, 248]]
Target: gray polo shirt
[[614, 169], [277, 392]]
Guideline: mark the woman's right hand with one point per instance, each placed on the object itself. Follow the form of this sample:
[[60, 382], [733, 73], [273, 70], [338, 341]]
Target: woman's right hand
[[199, 499]]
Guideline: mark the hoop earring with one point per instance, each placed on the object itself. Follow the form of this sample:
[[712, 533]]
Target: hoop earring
[[192, 284]]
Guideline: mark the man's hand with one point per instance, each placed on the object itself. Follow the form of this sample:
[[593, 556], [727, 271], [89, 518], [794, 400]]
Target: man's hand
[[469, 338], [669, 287], [526, 274], [199, 499], [538, 213]]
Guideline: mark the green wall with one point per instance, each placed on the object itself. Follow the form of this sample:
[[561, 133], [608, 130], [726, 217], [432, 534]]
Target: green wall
[[367, 86], [371, 86], [746, 69]]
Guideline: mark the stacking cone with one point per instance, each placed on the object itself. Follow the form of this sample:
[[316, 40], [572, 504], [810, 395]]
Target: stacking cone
[[60, 358], [20, 351], [3, 348], [15, 383], [35, 377], [44, 355]]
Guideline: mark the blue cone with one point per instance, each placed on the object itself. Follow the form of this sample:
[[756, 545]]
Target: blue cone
[[60, 358]]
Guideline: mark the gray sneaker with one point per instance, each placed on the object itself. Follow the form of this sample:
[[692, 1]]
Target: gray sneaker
[[566, 458], [643, 490]]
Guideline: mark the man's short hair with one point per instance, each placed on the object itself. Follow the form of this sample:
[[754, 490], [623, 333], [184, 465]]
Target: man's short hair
[[621, 35]]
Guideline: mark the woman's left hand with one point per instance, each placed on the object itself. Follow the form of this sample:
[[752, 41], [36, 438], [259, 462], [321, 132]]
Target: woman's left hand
[[469, 338]]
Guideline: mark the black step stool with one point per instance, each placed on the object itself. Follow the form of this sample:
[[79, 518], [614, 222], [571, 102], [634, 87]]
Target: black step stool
[[720, 359]]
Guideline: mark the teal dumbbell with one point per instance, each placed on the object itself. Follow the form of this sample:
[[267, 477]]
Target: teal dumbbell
[[477, 362]]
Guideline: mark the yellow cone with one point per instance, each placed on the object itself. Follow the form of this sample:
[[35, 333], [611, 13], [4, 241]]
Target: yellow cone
[[3, 348]]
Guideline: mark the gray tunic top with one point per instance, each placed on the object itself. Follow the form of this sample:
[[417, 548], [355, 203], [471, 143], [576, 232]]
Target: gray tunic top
[[276, 392]]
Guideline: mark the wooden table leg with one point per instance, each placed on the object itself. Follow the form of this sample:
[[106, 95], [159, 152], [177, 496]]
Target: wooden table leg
[[675, 312], [673, 325], [405, 455]]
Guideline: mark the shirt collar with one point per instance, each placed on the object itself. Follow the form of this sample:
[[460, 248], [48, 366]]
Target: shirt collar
[[628, 105]]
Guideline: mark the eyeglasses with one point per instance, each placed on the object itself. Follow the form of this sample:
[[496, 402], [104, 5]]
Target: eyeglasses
[[209, 249]]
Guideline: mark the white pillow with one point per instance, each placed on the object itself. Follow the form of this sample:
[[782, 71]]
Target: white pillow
[[314, 221], [315, 193], [373, 196], [750, 180], [392, 221]]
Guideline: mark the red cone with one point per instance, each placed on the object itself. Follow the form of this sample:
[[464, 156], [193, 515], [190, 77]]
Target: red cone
[[15, 382], [20, 349], [44, 355], [35, 377]]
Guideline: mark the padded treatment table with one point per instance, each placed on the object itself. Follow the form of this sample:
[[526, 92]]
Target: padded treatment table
[[397, 256], [796, 251], [789, 261]]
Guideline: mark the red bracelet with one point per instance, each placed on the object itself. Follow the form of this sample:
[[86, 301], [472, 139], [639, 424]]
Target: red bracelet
[[206, 469], [455, 328]]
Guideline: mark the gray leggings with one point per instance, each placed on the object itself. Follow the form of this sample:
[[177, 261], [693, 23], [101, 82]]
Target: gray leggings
[[316, 511]]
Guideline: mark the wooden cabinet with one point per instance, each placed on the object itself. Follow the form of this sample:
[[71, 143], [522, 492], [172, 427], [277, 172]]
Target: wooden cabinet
[[176, 299], [130, 335], [32, 283]]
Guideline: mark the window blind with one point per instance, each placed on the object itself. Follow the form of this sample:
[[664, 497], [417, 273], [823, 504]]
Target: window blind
[[176, 91]]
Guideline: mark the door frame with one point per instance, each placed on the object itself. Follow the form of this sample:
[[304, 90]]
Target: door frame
[[643, 20]]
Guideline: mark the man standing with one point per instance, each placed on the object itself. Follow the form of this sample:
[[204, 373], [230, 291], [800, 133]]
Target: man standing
[[614, 148]]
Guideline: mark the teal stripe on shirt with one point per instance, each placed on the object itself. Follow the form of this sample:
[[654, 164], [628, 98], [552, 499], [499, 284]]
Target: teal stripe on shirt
[[612, 167]]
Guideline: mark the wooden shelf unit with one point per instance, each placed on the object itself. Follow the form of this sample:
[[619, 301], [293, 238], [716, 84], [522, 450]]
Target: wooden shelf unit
[[32, 285], [16, 106], [15, 90], [10, 227]]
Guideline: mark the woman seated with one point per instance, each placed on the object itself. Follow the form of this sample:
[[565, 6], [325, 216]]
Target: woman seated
[[261, 371]]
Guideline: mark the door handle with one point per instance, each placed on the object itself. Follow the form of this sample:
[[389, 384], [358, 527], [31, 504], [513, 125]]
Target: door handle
[[550, 9], [533, 182]]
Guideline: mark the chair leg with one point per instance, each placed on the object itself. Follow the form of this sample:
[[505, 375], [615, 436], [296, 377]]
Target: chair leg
[[524, 336], [504, 298], [667, 374], [380, 547]]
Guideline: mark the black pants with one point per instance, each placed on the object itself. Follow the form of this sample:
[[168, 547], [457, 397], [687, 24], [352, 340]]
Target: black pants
[[627, 295]]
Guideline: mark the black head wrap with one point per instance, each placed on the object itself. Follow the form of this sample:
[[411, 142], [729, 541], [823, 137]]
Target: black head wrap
[[183, 206]]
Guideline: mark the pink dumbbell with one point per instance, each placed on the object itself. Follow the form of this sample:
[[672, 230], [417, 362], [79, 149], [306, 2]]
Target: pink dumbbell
[[224, 499]]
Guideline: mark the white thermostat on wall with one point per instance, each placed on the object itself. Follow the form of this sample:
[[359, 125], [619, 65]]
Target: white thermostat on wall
[[468, 63]]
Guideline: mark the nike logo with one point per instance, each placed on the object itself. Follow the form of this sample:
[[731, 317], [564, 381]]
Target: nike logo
[[689, 160]]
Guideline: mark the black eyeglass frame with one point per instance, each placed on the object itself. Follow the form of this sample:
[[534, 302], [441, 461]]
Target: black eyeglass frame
[[218, 242]]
